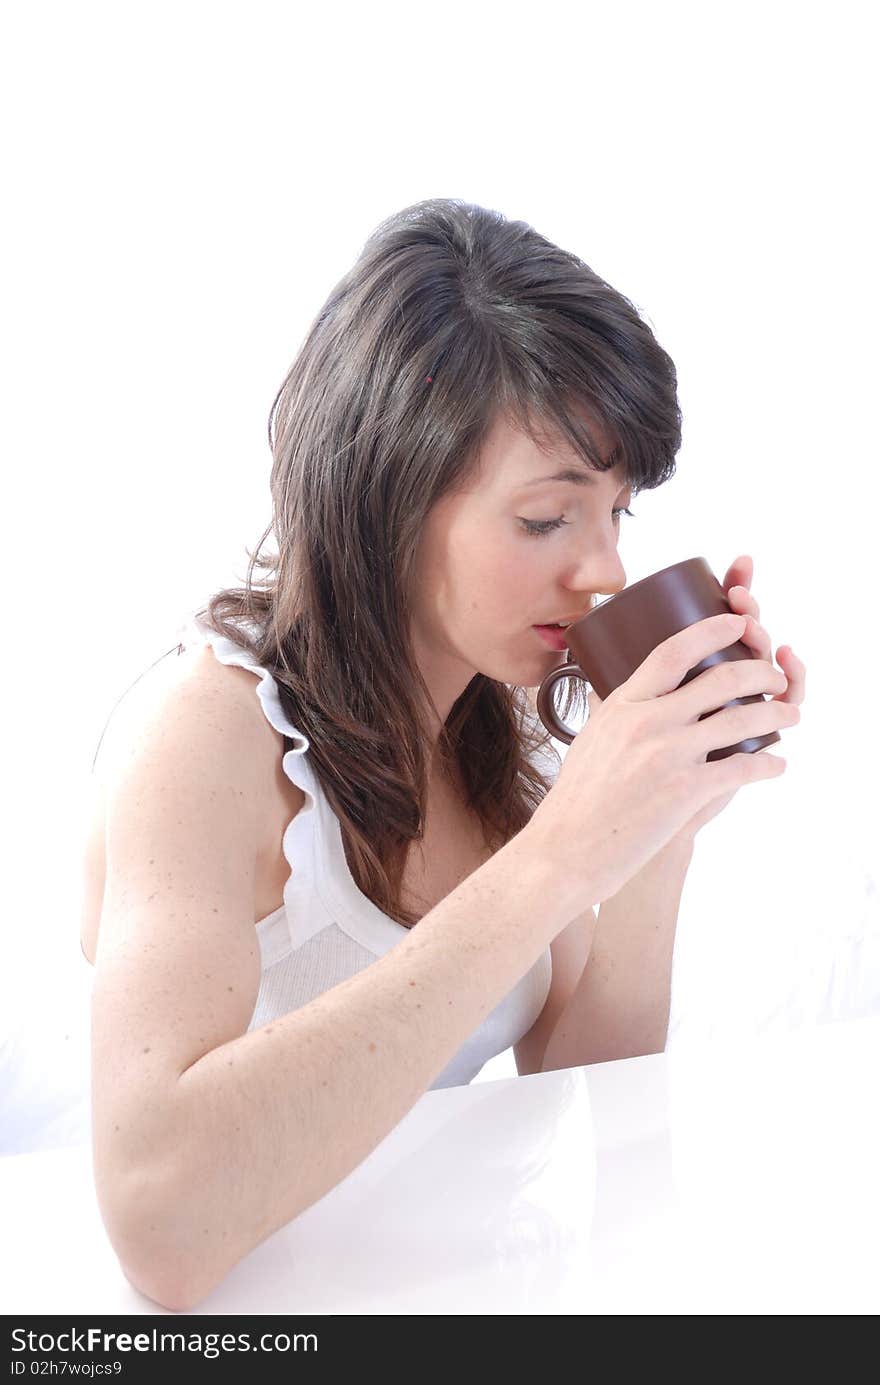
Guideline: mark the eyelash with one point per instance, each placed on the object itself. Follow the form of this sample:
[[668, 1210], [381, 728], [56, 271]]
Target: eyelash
[[538, 528]]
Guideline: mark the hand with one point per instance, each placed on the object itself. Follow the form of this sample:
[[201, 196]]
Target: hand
[[736, 586]]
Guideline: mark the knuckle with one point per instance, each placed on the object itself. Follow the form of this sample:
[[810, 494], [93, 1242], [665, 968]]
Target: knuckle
[[733, 767], [750, 766], [667, 656], [728, 679], [725, 775], [775, 674], [752, 675], [640, 717], [753, 669], [742, 718]]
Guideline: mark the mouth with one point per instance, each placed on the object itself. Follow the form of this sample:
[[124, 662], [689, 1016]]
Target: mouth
[[557, 624], [554, 636]]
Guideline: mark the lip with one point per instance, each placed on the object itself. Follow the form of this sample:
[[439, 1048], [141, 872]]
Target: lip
[[553, 637]]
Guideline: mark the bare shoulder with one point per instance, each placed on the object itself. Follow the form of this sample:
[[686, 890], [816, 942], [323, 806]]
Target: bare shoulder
[[193, 684], [186, 700]]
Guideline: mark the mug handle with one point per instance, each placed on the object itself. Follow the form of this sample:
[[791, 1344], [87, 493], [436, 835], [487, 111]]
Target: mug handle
[[545, 703]]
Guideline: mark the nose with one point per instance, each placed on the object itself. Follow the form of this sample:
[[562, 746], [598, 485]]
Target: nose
[[598, 574]]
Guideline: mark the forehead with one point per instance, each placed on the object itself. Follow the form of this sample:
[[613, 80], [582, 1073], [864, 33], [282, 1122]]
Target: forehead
[[510, 458]]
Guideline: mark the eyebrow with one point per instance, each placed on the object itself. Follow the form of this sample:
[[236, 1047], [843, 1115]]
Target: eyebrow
[[579, 477]]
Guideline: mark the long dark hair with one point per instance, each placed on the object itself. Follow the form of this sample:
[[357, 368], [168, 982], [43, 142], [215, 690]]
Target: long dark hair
[[451, 317]]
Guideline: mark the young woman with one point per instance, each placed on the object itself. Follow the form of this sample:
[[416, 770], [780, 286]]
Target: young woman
[[337, 861]]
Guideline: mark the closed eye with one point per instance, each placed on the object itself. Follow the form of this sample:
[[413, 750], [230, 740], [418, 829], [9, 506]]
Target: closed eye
[[538, 527]]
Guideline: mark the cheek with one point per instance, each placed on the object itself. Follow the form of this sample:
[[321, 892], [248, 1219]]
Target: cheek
[[478, 569], [504, 577]]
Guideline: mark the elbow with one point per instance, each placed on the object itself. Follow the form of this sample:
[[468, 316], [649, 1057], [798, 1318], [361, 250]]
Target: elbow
[[174, 1292], [154, 1243], [171, 1287]]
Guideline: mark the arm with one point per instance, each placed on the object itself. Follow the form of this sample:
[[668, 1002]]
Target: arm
[[569, 951], [206, 1138], [620, 1006]]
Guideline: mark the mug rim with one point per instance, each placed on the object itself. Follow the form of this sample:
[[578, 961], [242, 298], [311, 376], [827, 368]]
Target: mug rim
[[651, 577]]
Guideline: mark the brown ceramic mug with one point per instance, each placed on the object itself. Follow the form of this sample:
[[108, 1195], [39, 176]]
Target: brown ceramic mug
[[609, 643]]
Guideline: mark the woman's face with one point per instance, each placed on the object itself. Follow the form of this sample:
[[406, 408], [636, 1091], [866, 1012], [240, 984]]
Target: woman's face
[[483, 581]]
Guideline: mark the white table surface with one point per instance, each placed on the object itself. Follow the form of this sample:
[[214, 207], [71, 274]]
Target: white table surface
[[737, 1181]]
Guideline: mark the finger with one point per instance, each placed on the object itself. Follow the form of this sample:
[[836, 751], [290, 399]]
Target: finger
[[666, 666], [756, 637], [742, 602], [740, 572], [796, 673]]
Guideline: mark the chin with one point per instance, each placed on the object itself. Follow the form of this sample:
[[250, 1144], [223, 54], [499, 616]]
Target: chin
[[529, 674]]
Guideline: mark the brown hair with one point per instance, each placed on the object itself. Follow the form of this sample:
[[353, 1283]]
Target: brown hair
[[451, 317]]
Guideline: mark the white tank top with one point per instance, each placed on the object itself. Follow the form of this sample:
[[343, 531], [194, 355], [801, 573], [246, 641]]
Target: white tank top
[[327, 929]]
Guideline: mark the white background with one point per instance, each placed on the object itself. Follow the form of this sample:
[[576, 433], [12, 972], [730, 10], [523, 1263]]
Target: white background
[[184, 185]]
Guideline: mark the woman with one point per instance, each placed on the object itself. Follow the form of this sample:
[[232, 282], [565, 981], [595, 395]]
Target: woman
[[421, 872]]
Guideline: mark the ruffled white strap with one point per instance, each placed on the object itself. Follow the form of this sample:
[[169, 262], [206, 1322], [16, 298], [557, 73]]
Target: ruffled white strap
[[298, 845]]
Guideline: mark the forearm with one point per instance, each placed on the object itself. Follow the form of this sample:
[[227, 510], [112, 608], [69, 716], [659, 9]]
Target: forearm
[[620, 1007], [265, 1125]]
